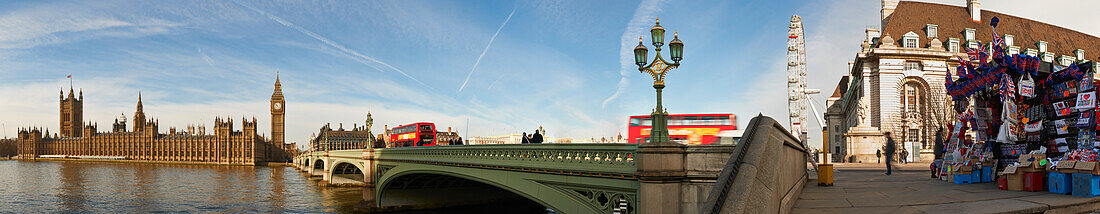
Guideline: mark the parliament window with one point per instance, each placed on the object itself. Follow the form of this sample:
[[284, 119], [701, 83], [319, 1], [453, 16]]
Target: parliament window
[[910, 43], [953, 45], [914, 135]]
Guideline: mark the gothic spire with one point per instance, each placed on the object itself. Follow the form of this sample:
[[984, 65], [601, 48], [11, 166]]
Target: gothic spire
[[139, 101], [278, 86]]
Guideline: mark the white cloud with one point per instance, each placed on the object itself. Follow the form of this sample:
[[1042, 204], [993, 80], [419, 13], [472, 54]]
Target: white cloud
[[1073, 14], [639, 23], [45, 25], [364, 59]]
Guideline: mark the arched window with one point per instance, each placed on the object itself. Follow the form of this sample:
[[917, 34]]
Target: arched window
[[910, 98]]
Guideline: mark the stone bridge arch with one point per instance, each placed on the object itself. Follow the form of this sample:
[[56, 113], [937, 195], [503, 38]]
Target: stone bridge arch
[[339, 167], [562, 193]]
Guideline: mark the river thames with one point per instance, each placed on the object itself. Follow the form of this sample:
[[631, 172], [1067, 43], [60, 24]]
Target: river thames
[[96, 187]]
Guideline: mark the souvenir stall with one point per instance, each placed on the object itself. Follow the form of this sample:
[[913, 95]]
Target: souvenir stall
[[1027, 124]]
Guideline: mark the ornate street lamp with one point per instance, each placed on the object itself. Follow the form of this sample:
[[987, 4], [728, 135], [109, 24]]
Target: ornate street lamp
[[657, 69]]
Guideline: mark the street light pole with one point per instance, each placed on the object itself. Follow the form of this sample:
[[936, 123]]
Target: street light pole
[[660, 161], [658, 69]]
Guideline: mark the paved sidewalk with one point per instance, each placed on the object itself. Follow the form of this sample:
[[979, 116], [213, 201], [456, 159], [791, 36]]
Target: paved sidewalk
[[863, 189]]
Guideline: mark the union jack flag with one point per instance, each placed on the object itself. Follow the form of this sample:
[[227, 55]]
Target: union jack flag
[[975, 53], [998, 41]]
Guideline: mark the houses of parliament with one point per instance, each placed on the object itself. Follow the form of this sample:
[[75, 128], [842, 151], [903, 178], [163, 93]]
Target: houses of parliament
[[141, 139]]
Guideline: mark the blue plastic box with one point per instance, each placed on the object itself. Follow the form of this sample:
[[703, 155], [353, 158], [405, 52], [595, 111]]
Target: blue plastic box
[[963, 178], [987, 174], [1061, 183], [1086, 185], [976, 176]]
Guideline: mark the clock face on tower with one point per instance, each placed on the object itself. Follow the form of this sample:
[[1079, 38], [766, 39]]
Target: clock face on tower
[[277, 106]]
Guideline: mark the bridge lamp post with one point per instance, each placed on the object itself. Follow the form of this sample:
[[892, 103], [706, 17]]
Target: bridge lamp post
[[660, 161], [657, 69]]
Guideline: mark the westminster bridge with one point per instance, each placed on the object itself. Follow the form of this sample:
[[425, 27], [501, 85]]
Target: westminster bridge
[[764, 173]]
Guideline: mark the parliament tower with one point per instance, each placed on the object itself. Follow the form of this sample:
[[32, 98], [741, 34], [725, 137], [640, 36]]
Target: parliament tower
[[72, 114], [278, 116]]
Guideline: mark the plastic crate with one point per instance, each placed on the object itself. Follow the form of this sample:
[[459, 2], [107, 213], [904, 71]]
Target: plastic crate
[[962, 178], [1035, 181], [1061, 183], [1086, 185], [976, 176], [1002, 183]]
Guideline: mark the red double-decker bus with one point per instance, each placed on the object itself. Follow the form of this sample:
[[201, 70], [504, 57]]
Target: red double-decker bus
[[690, 129], [416, 134]]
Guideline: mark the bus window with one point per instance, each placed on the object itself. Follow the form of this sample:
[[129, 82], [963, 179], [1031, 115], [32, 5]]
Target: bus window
[[647, 122], [635, 121], [425, 128], [675, 121]]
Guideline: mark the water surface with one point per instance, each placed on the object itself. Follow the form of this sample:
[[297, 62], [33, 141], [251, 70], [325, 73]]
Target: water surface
[[96, 187]]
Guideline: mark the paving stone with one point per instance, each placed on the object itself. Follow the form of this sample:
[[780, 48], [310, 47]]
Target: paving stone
[[869, 191], [1059, 200], [986, 206], [858, 210], [826, 203]]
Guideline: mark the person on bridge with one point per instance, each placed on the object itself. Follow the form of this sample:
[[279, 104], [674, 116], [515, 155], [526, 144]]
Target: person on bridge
[[525, 138], [537, 138], [890, 148]]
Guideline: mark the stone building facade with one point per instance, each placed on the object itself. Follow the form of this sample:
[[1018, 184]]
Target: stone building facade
[[328, 139], [896, 82], [144, 142], [446, 138]]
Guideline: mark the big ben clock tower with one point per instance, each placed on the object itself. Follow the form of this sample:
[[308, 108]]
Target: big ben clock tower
[[278, 116]]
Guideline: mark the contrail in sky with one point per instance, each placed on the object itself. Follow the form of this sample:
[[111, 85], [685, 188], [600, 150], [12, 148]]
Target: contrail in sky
[[643, 17], [357, 56], [486, 50]]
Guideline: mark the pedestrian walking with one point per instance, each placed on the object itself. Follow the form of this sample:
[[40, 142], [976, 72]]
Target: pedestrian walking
[[890, 148], [937, 150], [878, 155]]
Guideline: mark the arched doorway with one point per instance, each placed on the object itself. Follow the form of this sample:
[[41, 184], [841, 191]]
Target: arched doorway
[[920, 113], [454, 194]]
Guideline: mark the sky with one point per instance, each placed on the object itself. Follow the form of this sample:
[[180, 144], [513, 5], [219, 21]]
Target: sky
[[482, 67]]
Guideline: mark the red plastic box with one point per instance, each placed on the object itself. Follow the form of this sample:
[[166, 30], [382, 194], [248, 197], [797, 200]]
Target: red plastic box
[[1002, 183], [1035, 181]]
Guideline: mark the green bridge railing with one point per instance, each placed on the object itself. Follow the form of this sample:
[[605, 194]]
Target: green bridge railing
[[600, 160]]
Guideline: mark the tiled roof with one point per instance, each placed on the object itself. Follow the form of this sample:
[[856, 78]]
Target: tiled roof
[[841, 87], [952, 21]]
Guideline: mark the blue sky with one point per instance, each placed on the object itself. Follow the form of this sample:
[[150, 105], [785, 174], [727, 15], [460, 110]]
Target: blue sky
[[505, 66]]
